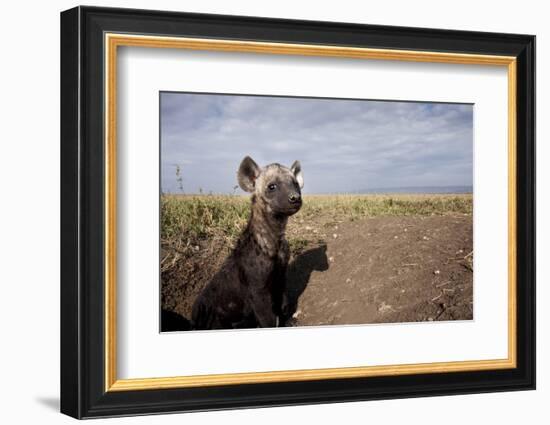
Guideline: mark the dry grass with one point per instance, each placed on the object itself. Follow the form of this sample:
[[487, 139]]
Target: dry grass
[[189, 220]]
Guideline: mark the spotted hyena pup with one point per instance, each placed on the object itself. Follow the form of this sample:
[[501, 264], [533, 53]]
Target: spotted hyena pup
[[249, 288]]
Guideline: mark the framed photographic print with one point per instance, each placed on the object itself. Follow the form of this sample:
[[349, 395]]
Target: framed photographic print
[[261, 212]]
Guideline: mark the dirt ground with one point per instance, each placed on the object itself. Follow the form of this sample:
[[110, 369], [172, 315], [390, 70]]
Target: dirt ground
[[388, 269], [375, 270]]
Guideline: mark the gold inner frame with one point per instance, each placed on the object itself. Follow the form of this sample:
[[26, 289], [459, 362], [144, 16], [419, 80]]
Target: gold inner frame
[[113, 41]]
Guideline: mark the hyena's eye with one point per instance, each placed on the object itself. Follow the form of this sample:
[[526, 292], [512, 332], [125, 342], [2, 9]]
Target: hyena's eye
[[271, 187]]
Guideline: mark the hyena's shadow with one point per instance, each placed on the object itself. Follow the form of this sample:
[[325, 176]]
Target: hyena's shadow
[[299, 273]]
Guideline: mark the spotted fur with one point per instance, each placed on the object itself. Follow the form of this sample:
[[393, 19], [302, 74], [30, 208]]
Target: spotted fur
[[249, 289]]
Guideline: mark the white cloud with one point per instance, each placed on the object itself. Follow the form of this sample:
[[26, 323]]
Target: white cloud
[[344, 145]]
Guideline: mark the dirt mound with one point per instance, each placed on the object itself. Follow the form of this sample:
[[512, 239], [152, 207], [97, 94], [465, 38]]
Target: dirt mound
[[375, 270]]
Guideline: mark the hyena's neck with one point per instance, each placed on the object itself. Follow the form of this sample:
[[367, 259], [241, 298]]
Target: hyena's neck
[[267, 229]]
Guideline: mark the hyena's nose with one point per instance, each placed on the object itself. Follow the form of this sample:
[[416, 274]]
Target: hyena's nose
[[294, 198]]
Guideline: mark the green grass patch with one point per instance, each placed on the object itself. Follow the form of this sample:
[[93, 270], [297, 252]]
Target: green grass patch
[[187, 219]]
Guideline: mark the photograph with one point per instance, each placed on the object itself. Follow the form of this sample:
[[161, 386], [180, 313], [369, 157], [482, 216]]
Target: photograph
[[285, 210], [280, 211]]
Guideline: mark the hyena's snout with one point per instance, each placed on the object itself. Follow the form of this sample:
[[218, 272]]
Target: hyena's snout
[[291, 197], [295, 198]]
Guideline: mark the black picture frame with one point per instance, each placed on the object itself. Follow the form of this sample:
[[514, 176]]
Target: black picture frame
[[83, 392]]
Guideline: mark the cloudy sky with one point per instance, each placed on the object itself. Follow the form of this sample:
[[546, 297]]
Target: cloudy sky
[[343, 145]]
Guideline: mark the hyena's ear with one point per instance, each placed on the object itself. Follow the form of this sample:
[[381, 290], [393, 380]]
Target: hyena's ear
[[248, 173], [296, 169]]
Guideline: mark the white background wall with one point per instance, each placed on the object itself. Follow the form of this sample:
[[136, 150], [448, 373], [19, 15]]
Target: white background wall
[[29, 210]]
